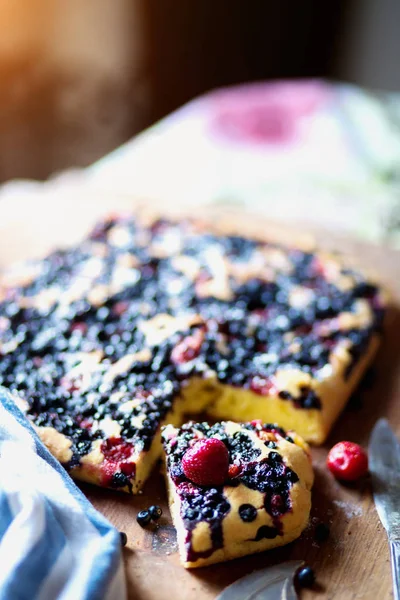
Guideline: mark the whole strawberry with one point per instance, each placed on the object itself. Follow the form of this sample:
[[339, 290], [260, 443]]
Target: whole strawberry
[[207, 462]]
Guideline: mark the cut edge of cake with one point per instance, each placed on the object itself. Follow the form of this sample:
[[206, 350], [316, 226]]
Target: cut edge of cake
[[221, 401]]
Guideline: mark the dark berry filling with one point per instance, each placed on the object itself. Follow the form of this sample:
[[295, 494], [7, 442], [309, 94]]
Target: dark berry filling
[[117, 470], [266, 532], [203, 505]]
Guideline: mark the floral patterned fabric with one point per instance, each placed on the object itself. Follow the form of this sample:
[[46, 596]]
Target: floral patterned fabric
[[305, 151]]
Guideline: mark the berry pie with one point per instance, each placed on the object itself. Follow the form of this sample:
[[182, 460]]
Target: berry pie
[[235, 489], [148, 319]]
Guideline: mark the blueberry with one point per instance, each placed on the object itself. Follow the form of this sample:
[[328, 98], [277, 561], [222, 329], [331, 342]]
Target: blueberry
[[321, 532], [247, 512], [207, 513], [155, 512], [291, 476], [124, 538], [143, 518], [191, 514], [271, 445], [309, 399], [274, 457], [119, 480], [306, 577]]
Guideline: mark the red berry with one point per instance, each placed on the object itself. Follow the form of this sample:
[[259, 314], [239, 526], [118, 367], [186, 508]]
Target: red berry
[[80, 327], [263, 386], [234, 471], [187, 349], [84, 423], [70, 385], [347, 461], [120, 307], [116, 454], [116, 449], [206, 462]]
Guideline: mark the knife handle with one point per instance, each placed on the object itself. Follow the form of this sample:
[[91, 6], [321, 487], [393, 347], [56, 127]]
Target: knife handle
[[395, 560]]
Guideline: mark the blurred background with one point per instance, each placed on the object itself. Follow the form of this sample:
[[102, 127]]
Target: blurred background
[[80, 77]]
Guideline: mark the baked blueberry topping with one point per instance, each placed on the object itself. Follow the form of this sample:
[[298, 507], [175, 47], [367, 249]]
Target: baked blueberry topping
[[202, 505], [242, 447], [247, 512], [119, 480], [92, 301], [275, 457], [209, 505]]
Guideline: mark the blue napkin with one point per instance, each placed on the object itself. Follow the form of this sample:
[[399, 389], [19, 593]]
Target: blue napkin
[[53, 543]]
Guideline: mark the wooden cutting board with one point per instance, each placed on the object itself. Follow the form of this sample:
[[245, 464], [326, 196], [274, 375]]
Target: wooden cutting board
[[354, 561]]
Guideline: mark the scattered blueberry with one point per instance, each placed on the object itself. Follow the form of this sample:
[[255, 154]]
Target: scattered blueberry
[[119, 480], [155, 512], [124, 538], [322, 532], [306, 577], [143, 518]]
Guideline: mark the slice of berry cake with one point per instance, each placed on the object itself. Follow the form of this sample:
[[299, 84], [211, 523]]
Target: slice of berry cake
[[235, 489], [147, 319]]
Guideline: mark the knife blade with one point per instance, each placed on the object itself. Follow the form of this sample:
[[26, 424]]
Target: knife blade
[[384, 466], [269, 583]]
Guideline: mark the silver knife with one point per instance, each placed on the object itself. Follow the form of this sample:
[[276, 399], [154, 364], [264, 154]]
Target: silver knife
[[270, 583], [384, 466]]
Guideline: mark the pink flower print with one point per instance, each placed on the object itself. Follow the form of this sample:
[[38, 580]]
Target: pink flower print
[[265, 113]]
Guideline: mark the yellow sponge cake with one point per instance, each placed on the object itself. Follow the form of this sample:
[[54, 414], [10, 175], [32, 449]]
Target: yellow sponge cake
[[235, 489]]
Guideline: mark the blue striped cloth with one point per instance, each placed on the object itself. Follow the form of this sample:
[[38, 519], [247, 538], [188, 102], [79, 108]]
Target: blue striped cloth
[[53, 543]]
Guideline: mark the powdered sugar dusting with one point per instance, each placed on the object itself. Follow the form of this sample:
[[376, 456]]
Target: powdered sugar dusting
[[350, 510]]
